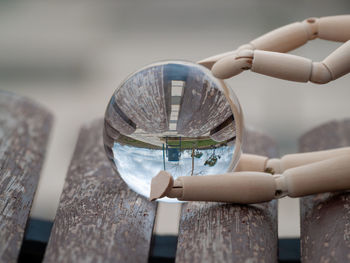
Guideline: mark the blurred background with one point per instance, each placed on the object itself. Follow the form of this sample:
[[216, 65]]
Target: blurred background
[[71, 55]]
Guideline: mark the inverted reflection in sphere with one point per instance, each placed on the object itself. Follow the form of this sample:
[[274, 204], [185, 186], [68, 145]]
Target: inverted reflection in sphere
[[172, 116]]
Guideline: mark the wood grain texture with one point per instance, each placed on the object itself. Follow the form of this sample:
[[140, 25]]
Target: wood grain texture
[[142, 99], [24, 131], [216, 232], [99, 218], [325, 218], [203, 105], [225, 131]]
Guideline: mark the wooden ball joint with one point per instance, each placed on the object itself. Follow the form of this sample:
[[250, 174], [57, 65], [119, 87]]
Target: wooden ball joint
[[256, 178]]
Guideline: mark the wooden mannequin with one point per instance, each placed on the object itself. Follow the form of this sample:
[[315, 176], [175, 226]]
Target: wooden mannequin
[[293, 175]]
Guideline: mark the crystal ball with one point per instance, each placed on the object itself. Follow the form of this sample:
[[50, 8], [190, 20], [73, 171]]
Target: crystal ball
[[173, 116]]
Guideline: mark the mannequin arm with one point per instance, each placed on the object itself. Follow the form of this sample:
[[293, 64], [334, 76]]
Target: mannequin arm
[[285, 66], [240, 187], [255, 187], [278, 166], [257, 163], [292, 36]]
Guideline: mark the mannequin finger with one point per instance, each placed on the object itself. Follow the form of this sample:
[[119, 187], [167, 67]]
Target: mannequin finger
[[233, 65], [210, 61]]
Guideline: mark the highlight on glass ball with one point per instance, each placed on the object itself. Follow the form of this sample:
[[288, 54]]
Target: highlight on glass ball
[[172, 116]]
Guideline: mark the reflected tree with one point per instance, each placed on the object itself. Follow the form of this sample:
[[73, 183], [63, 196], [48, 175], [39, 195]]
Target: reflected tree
[[212, 160]]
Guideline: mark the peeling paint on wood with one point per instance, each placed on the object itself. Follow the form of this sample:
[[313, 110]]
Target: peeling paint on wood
[[215, 232], [24, 132], [99, 218], [325, 218]]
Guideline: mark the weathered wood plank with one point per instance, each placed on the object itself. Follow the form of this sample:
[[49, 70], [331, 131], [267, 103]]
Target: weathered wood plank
[[24, 131], [215, 232], [325, 218], [99, 218]]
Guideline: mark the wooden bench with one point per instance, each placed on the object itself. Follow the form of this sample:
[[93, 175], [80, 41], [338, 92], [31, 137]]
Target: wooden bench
[[100, 219]]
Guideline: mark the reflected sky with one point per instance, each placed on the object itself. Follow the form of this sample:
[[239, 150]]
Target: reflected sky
[[137, 166]]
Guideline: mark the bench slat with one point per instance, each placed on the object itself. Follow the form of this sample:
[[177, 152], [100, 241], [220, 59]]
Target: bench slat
[[325, 218], [24, 132], [214, 232], [99, 218]]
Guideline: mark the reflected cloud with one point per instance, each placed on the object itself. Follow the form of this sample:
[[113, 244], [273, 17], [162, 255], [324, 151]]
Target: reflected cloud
[[137, 166]]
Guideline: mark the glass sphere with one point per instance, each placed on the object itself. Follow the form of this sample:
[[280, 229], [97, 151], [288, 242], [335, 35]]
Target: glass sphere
[[173, 116]]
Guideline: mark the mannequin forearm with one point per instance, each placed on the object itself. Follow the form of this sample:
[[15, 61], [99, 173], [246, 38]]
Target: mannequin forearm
[[289, 161], [244, 188], [257, 163], [325, 176]]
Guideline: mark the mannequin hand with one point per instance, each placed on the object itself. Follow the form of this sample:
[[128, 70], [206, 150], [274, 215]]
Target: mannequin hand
[[265, 54], [229, 64]]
